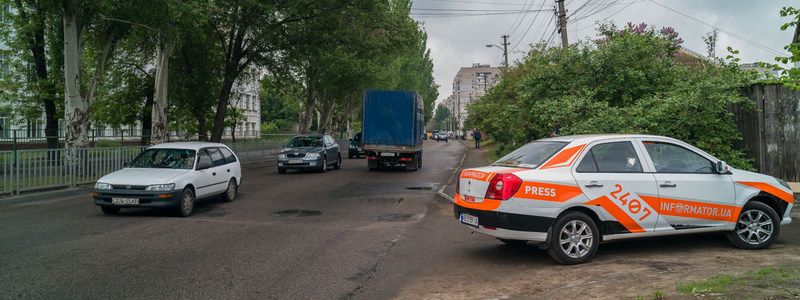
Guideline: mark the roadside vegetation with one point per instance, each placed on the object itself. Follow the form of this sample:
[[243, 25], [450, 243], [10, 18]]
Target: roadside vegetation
[[631, 80], [766, 283]]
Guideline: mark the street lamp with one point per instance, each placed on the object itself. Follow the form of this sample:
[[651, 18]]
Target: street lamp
[[504, 48]]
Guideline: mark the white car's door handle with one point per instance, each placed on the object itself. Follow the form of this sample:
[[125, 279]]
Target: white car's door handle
[[668, 184], [593, 184]]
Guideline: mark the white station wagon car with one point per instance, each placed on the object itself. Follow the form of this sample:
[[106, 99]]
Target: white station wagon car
[[171, 175], [570, 193]]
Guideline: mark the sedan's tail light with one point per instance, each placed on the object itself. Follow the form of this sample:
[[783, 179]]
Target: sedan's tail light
[[503, 186]]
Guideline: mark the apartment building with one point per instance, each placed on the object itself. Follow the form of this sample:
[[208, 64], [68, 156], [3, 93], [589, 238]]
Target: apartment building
[[470, 84]]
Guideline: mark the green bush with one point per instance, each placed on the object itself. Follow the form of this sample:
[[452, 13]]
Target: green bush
[[629, 82]]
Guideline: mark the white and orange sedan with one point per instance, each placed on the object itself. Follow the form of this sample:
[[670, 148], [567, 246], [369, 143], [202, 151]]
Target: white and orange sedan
[[570, 193]]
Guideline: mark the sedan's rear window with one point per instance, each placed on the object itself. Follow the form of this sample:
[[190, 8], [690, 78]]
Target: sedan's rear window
[[531, 155]]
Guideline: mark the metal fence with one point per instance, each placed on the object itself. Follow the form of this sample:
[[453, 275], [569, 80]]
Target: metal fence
[[42, 169]]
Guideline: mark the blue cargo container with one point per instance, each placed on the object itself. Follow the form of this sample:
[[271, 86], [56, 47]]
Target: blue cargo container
[[393, 125]]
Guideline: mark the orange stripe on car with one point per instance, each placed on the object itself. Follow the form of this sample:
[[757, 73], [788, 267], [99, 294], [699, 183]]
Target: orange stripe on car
[[617, 213], [564, 158], [769, 189], [692, 209], [547, 191], [476, 203]]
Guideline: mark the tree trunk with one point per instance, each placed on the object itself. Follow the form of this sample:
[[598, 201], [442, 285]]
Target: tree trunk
[[233, 133], [311, 96], [222, 107], [159, 132], [146, 118], [76, 106], [202, 127]]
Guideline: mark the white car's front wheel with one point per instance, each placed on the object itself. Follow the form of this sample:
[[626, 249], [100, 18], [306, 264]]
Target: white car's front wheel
[[186, 203], [757, 227], [574, 239]]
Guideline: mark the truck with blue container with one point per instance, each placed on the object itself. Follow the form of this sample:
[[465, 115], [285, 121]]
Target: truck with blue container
[[393, 124]]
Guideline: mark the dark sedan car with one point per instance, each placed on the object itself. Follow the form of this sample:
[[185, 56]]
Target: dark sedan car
[[310, 152]]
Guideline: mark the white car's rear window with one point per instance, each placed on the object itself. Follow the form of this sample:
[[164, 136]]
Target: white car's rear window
[[531, 155]]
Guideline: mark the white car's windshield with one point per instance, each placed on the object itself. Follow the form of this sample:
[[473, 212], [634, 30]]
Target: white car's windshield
[[164, 159], [531, 155]]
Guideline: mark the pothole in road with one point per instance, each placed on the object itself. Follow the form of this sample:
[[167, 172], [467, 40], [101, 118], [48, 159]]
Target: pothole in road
[[392, 217], [297, 213]]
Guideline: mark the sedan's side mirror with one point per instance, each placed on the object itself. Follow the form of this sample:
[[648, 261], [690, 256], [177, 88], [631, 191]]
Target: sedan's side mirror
[[722, 167], [203, 165]]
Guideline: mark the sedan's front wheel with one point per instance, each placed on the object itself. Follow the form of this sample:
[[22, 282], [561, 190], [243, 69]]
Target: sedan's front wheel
[[757, 227], [186, 203], [574, 239]]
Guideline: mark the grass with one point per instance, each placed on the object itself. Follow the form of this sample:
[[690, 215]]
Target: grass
[[765, 283]]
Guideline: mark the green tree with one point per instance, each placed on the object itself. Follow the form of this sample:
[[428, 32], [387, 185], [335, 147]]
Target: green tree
[[441, 117], [627, 83]]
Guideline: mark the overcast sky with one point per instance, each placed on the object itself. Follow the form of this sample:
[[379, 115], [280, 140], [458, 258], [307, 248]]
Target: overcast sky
[[458, 30]]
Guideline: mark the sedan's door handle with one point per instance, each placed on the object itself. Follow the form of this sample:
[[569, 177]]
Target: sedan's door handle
[[214, 174], [229, 170], [668, 184], [593, 184]]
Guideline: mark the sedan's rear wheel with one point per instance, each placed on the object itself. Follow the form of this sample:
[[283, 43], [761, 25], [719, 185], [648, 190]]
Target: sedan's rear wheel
[[110, 210], [574, 239], [230, 193], [757, 227], [186, 204]]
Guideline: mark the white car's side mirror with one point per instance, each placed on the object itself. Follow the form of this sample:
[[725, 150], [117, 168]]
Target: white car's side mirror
[[722, 167]]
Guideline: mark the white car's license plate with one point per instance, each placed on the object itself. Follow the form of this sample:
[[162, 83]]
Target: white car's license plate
[[469, 219], [125, 201], [388, 154], [295, 161]]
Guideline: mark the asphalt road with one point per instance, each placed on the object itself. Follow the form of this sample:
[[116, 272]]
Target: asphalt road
[[299, 235], [348, 233]]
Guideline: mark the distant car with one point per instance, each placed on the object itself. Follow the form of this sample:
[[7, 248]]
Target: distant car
[[441, 136], [171, 175], [355, 149], [568, 194], [310, 152]]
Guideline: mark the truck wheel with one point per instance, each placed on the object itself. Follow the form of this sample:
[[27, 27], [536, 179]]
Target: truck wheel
[[412, 165], [373, 165]]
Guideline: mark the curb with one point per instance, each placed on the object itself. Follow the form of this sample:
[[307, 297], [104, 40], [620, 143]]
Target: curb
[[447, 199]]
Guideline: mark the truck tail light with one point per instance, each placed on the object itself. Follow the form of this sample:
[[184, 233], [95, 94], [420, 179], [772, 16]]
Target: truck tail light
[[503, 186]]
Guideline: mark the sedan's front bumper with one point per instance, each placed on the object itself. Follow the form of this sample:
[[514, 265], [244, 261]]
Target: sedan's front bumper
[[154, 199], [305, 164]]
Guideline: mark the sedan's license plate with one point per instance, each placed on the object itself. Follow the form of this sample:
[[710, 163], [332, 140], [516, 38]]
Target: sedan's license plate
[[125, 201], [388, 154], [295, 161], [469, 219]]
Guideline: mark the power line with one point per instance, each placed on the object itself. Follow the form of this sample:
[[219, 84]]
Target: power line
[[523, 20], [477, 2], [522, 38], [484, 10], [763, 47], [508, 31], [461, 14], [611, 15]]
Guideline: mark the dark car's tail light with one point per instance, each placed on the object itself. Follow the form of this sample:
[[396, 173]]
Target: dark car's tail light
[[503, 186]]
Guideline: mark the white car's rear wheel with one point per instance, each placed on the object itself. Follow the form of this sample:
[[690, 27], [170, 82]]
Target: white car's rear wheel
[[230, 193], [574, 239], [757, 227]]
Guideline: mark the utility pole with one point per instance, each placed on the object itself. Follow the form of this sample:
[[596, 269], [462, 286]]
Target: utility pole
[[562, 23], [505, 49]]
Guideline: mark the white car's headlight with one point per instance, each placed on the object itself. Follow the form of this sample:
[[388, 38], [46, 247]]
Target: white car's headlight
[[161, 187], [312, 155], [282, 156], [102, 186]]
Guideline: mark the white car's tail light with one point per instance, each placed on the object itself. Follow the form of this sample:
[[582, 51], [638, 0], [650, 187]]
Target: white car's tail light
[[503, 186]]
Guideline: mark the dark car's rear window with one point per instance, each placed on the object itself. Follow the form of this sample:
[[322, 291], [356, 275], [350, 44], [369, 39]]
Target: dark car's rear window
[[530, 155]]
